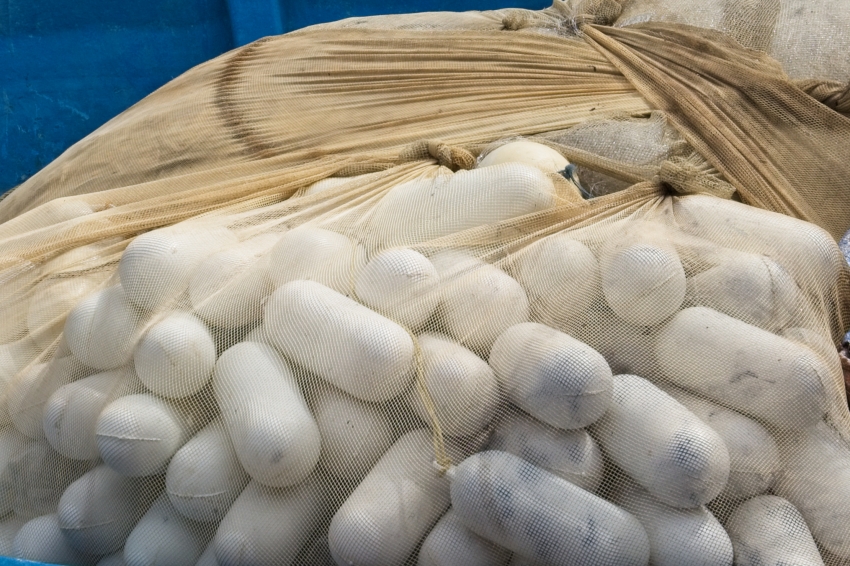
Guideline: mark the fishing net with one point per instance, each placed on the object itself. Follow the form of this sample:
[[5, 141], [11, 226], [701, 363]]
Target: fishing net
[[492, 288], [807, 37]]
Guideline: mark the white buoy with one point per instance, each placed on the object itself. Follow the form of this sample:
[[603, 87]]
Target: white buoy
[[275, 437], [205, 477], [176, 356]]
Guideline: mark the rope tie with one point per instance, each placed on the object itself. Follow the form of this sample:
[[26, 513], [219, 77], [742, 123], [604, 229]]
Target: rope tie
[[442, 460]]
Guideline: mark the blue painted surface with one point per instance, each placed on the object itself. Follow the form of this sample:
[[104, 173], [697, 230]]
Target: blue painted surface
[[15, 562], [253, 19], [299, 14], [68, 67]]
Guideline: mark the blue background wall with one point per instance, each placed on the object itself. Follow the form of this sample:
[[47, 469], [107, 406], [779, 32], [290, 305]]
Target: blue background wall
[[68, 67]]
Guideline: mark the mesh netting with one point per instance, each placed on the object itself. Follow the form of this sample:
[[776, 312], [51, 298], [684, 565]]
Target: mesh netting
[[483, 289], [808, 37], [635, 145]]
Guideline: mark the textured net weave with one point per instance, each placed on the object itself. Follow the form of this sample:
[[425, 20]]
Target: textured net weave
[[342, 297], [807, 37]]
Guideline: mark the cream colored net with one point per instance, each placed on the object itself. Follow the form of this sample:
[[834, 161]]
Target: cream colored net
[[482, 289], [807, 37]]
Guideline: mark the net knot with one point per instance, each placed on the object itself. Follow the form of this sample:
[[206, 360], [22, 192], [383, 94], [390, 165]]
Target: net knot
[[450, 156]]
